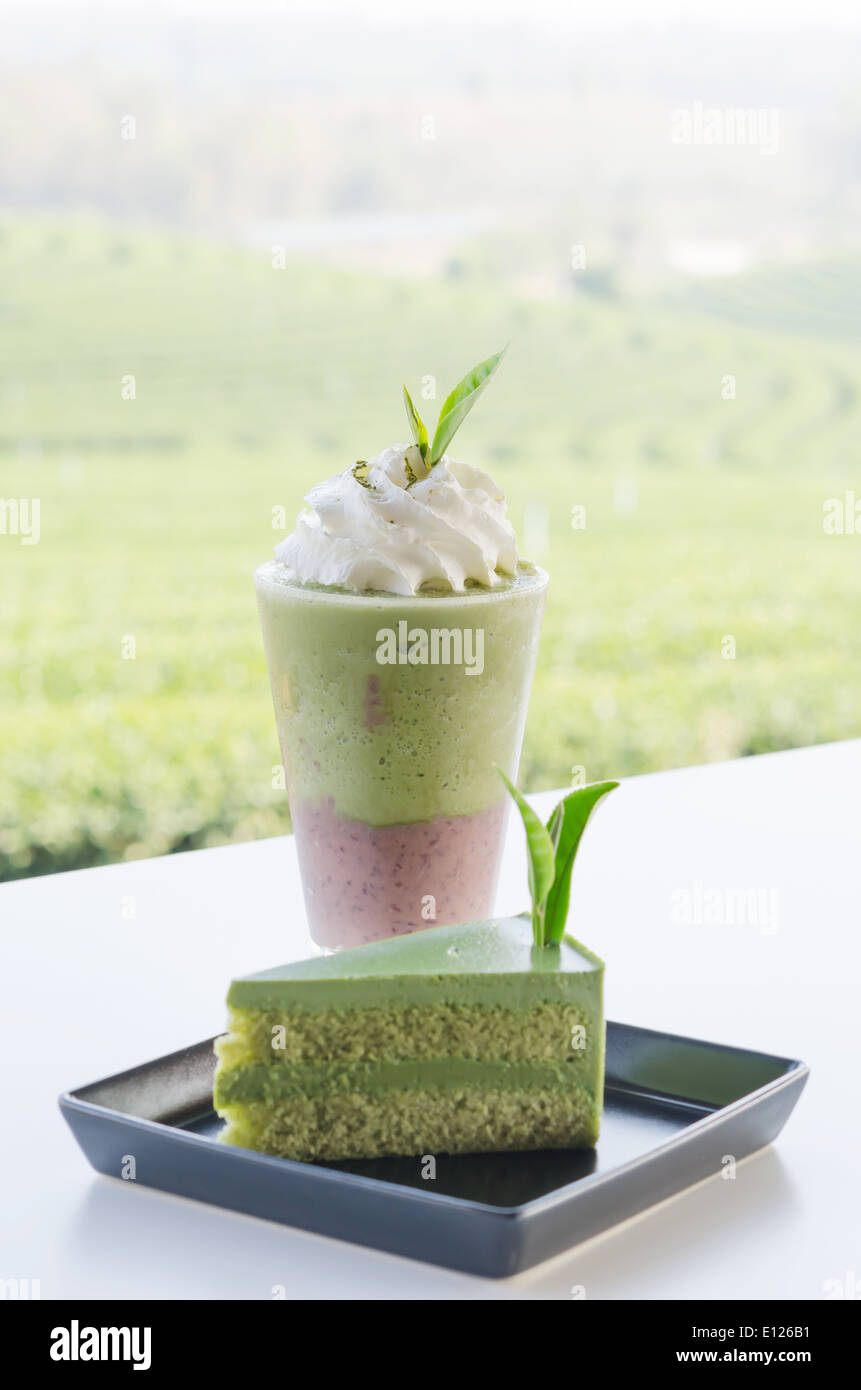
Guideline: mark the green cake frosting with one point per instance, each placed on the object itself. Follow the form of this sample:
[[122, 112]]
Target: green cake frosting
[[492, 962], [261, 1082], [456, 1039]]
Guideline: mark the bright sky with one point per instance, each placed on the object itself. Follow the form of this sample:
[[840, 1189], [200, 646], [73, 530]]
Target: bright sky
[[569, 13]]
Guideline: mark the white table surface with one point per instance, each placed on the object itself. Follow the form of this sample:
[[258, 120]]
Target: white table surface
[[88, 990]]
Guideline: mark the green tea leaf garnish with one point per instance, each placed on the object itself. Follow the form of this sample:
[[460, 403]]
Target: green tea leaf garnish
[[459, 403], [552, 851], [542, 860], [418, 427], [361, 471], [565, 828]]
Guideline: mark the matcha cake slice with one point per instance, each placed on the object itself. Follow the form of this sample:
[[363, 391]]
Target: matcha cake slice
[[463, 1039]]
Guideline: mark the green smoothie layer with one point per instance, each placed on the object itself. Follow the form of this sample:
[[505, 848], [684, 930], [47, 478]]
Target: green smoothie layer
[[400, 743], [448, 1040]]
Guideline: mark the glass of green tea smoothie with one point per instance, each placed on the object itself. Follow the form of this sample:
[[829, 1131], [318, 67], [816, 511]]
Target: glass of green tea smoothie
[[401, 633]]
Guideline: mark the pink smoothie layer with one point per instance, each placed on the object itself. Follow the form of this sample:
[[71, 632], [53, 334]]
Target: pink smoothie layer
[[364, 883]]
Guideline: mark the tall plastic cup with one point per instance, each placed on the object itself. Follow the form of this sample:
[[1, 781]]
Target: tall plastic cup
[[393, 716]]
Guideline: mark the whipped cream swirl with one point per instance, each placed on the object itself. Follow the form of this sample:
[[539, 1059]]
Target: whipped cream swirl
[[393, 525]]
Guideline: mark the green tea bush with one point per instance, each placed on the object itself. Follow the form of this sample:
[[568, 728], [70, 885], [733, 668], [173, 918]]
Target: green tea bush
[[134, 708]]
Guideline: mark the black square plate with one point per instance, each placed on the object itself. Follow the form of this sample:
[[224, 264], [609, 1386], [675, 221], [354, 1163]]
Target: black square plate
[[674, 1108]]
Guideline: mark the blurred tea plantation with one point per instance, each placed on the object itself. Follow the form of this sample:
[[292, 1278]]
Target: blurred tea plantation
[[134, 706]]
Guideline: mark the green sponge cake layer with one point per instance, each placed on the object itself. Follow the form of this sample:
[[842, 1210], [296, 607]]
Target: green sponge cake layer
[[465, 1120], [405, 1031], [455, 1039]]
